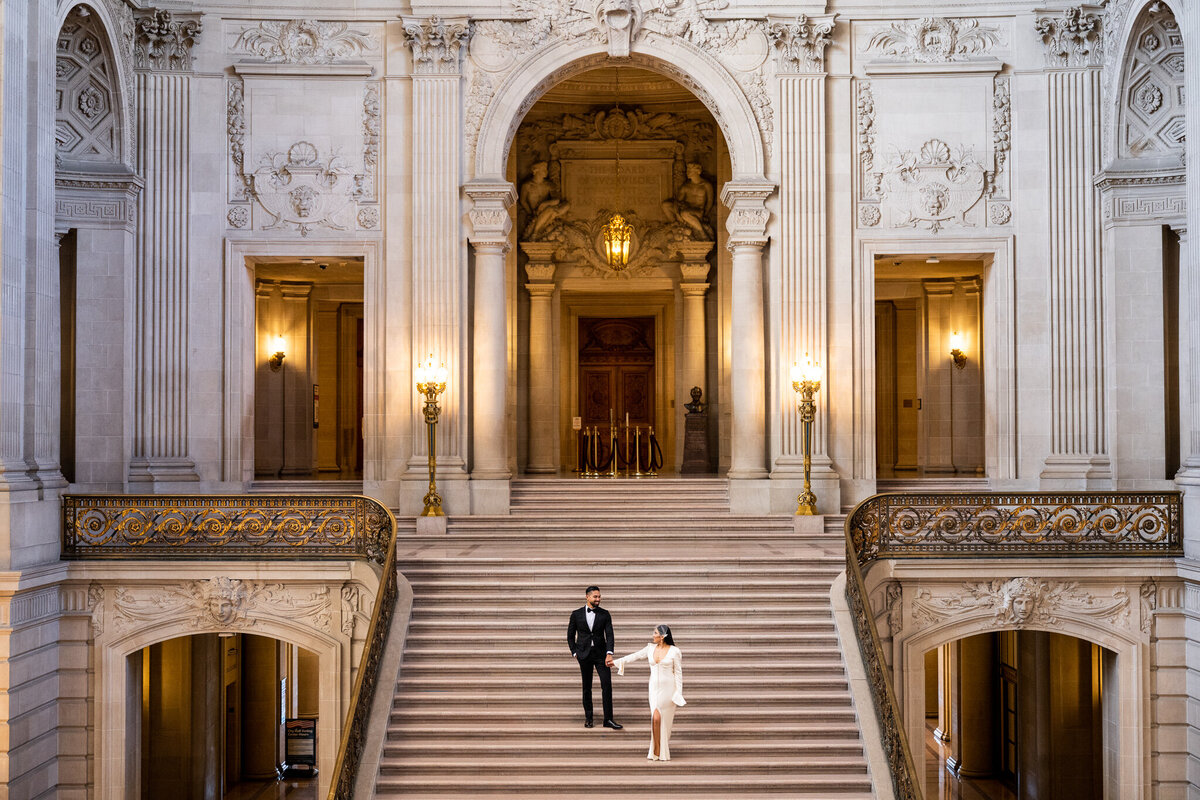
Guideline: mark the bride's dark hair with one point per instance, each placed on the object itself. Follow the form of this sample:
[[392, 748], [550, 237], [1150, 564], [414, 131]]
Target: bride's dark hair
[[665, 632]]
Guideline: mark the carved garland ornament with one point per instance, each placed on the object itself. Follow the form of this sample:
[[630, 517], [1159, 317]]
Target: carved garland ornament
[[220, 603], [1020, 602], [303, 41], [935, 40]]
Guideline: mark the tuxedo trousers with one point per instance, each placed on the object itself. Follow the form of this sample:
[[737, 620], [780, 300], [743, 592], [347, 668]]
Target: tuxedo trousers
[[595, 660]]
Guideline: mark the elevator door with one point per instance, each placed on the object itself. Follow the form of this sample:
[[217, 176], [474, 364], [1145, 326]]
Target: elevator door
[[616, 371]]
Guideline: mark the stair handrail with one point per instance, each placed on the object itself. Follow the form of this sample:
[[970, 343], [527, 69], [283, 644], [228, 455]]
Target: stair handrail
[[366, 681], [987, 525]]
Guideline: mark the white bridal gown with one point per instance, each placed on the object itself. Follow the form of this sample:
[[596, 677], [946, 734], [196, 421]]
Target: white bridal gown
[[666, 691]]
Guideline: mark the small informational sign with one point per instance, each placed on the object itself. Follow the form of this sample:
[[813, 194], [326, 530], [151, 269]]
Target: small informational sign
[[576, 423], [301, 748]]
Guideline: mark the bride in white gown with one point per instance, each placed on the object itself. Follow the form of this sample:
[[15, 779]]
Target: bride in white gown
[[666, 687]]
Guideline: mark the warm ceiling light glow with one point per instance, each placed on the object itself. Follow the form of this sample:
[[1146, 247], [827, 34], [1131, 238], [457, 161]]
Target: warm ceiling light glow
[[933, 260]]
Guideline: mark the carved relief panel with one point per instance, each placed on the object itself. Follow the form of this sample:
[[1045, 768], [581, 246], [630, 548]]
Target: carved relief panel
[[1151, 121], [653, 168]]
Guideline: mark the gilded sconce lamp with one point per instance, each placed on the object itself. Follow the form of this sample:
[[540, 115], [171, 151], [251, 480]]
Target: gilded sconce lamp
[[956, 350], [279, 347]]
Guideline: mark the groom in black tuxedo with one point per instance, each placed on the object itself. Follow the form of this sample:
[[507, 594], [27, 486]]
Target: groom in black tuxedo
[[590, 637]]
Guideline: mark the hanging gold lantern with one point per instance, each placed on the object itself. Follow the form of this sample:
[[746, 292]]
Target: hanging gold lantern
[[617, 234]]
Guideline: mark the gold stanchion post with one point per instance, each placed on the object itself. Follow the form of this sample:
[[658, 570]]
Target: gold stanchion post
[[431, 382], [806, 381]]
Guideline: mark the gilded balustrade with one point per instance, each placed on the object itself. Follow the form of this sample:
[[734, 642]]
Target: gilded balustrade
[[982, 525], [259, 527]]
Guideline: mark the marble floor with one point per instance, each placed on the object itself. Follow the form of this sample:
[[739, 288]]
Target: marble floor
[[288, 789], [941, 785]]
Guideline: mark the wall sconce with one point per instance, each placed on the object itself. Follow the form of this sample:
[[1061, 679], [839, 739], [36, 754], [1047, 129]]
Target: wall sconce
[[276, 359], [806, 381], [956, 350], [431, 381]]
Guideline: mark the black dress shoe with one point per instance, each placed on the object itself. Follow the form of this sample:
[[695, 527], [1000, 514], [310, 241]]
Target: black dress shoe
[[587, 723], [616, 726]]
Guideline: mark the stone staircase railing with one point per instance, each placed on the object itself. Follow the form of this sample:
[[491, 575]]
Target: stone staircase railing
[[254, 527], [984, 525]]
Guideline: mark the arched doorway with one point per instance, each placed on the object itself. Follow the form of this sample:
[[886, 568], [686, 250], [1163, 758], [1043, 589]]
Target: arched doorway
[[1020, 713], [617, 345], [214, 715]]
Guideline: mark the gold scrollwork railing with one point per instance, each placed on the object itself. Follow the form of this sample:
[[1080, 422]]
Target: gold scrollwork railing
[[982, 525], [259, 527]]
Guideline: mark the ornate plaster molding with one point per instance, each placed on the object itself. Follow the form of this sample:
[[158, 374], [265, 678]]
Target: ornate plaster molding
[[935, 40], [437, 44], [95, 608], [1019, 602], [800, 45], [163, 40], [303, 191], [933, 187], [865, 106], [1001, 130], [303, 41], [235, 128], [1073, 39], [220, 604]]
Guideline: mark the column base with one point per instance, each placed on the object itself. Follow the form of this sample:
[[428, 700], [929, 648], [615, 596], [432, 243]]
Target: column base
[[1077, 472], [152, 474], [1188, 480], [490, 496]]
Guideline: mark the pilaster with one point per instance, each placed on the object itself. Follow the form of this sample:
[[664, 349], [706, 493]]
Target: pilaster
[[803, 243], [163, 64], [439, 278], [1079, 452]]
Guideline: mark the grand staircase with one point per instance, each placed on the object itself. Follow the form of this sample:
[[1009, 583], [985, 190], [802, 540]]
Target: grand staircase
[[487, 704]]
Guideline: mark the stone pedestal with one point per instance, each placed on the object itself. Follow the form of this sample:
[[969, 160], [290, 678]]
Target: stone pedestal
[[695, 444]]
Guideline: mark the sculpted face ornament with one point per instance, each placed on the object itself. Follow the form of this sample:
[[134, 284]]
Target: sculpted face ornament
[[1021, 597]]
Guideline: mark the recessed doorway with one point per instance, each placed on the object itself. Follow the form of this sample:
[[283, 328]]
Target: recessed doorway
[[308, 399], [929, 392]]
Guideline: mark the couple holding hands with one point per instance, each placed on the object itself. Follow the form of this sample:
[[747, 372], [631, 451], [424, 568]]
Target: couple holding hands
[[590, 637]]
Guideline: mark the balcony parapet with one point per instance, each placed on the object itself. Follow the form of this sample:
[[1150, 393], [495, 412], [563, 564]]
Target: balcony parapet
[[986, 525], [267, 527]]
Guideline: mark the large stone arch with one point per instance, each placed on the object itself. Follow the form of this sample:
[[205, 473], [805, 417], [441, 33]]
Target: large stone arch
[[1132, 670], [111, 689], [689, 65], [1134, 27]]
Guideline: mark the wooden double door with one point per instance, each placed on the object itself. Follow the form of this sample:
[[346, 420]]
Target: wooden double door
[[616, 371]]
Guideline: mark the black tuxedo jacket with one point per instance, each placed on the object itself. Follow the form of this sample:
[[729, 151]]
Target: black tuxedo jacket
[[585, 643]]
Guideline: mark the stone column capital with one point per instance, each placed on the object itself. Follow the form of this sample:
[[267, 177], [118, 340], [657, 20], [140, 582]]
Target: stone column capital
[[437, 44], [694, 289], [1073, 38], [539, 290], [163, 40], [489, 215], [748, 214], [800, 43], [694, 272]]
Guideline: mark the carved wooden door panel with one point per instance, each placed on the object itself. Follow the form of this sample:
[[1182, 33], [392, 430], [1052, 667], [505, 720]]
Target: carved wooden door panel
[[616, 370]]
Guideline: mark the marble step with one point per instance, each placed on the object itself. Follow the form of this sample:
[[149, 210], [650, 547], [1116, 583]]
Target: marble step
[[619, 781]]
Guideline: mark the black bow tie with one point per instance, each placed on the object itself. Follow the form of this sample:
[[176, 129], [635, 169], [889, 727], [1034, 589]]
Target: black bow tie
[[592, 610]]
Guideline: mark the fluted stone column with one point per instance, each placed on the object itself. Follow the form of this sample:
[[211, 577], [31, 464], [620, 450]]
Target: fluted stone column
[[800, 51], [491, 224], [439, 279], [163, 59], [1189, 268], [747, 225], [543, 413], [1079, 453]]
